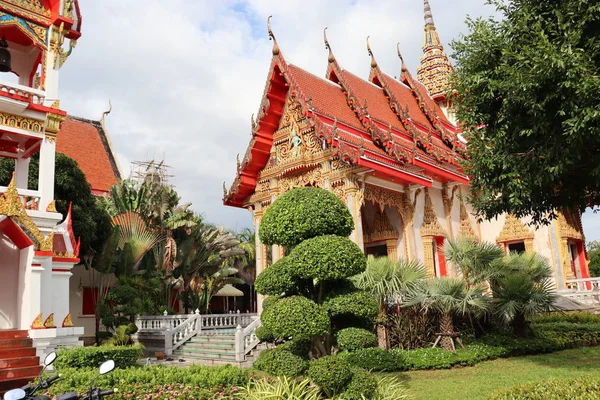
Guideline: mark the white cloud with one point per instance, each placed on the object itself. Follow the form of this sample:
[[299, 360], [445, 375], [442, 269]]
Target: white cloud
[[184, 76]]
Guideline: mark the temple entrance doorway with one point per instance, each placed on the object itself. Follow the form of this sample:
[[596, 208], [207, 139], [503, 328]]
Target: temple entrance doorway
[[382, 229]]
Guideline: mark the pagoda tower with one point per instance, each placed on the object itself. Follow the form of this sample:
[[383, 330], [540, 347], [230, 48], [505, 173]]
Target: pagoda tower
[[36, 252], [435, 68]]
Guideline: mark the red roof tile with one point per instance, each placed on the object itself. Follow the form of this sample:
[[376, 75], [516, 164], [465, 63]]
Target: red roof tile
[[85, 141], [405, 96]]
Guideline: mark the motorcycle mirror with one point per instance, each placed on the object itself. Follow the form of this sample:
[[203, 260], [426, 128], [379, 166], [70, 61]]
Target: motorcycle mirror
[[50, 359], [106, 367], [15, 394]]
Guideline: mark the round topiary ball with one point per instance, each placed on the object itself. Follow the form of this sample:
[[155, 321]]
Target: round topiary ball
[[353, 339], [327, 257], [304, 213], [265, 335], [357, 303], [296, 317], [362, 386], [280, 363], [276, 279], [331, 373]]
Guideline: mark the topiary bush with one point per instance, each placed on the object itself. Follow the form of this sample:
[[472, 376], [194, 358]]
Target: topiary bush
[[92, 357], [276, 279], [280, 363], [353, 339], [328, 257], [264, 334], [374, 359], [296, 317], [356, 302], [304, 213], [298, 347], [331, 373], [362, 386]]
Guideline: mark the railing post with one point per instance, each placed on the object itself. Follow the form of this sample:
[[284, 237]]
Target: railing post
[[168, 342], [240, 353]]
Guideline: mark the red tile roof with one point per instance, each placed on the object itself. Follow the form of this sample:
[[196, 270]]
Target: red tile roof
[[405, 96], [85, 141]]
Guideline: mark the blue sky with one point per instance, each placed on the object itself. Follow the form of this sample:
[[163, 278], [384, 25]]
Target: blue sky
[[184, 76]]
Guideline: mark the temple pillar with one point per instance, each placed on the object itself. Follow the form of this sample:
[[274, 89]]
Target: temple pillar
[[61, 274], [392, 249], [428, 248], [46, 173], [277, 253], [354, 203], [22, 172]]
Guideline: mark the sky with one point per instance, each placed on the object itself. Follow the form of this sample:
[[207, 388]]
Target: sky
[[185, 76]]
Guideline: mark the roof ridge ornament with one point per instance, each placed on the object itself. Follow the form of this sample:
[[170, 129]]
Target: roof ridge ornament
[[428, 14], [276, 49], [404, 68], [331, 57], [373, 62]]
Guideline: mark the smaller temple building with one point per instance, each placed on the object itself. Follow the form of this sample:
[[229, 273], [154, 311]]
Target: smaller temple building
[[390, 148]]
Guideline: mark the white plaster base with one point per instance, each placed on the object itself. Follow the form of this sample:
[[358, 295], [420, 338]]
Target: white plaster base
[[46, 341]]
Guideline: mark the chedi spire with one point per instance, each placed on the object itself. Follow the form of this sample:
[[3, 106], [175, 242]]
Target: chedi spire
[[435, 68]]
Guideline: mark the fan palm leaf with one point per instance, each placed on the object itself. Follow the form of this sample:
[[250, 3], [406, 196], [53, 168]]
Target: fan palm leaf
[[134, 232]]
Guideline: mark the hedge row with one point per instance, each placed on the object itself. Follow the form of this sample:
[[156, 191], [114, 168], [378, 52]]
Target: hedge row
[[92, 357], [196, 381], [586, 388]]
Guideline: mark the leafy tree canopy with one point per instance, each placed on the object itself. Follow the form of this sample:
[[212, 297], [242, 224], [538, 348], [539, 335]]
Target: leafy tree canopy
[[593, 249], [304, 213], [91, 222], [527, 93]]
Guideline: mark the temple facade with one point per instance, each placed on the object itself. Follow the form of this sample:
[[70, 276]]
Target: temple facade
[[37, 250], [390, 149]]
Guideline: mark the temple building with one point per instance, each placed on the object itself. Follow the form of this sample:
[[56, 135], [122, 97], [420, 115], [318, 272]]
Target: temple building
[[390, 149], [37, 250]]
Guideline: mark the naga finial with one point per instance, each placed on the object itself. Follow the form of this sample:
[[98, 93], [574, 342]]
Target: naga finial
[[238, 162], [331, 58], [276, 50], [224, 190], [404, 68], [373, 62]]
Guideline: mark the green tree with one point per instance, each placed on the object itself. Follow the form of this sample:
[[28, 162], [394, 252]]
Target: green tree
[[388, 281], [522, 288], [527, 97], [472, 259], [312, 294], [449, 297], [593, 251], [91, 222]]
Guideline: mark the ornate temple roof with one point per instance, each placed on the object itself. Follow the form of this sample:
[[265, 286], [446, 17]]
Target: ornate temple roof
[[435, 68], [392, 127], [87, 142]]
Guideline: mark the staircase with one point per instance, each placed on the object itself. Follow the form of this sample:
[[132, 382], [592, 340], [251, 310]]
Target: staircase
[[212, 350], [18, 362]]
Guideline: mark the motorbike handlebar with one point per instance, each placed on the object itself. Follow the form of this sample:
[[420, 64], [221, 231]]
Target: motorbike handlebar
[[106, 393]]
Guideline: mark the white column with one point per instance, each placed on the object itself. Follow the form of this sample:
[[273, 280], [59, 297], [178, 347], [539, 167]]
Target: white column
[[22, 172], [61, 274], [32, 294], [46, 174]]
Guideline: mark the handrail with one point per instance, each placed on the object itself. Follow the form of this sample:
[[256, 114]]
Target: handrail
[[246, 339], [583, 284], [177, 336]]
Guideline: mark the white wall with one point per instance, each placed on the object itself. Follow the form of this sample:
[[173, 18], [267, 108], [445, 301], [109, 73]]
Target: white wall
[[9, 268]]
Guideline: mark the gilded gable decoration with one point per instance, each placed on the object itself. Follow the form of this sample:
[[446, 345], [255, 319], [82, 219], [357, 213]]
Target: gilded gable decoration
[[431, 225], [515, 230], [384, 197], [380, 229], [570, 225], [466, 228], [12, 206]]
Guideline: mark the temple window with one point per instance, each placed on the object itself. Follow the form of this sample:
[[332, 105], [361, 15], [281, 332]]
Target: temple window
[[516, 247], [376, 249]]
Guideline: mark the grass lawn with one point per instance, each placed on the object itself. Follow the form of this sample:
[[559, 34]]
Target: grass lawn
[[479, 381]]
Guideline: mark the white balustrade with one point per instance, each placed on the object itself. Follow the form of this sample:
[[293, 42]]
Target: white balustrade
[[584, 285], [246, 339], [26, 93]]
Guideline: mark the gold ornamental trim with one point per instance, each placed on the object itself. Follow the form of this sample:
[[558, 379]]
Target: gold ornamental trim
[[67, 322], [49, 322], [431, 225], [569, 225], [24, 123], [466, 228], [12, 206], [514, 230], [37, 322], [380, 230]]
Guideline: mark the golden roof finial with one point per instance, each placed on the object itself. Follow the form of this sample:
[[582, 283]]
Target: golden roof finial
[[276, 50], [428, 14], [373, 62], [330, 58], [404, 68]]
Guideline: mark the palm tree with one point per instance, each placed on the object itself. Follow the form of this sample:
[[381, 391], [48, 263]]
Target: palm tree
[[202, 254], [449, 297], [206, 286], [388, 281], [246, 262], [135, 237], [522, 288], [472, 259]]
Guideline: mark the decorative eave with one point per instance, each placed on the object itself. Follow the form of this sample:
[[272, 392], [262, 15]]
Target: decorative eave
[[12, 206]]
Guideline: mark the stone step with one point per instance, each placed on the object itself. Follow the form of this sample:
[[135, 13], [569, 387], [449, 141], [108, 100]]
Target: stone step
[[19, 362], [13, 334], [230, 358], [212, 339], [17, 352], [15, 343], [209, 346], [17, 373]]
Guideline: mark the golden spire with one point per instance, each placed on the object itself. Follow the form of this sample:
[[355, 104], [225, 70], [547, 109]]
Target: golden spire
[[272, 36], [435, 68]]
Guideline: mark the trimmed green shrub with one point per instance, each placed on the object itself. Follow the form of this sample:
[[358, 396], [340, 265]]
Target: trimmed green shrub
[[374, 359], [585, 388], [92, 357], [357, 303], [296, 317], [565, 335], [577, 317], [304, 213], [136, 382], [276, 279], [298, 347], [362, 386], [265, 335], [331, 373], [280, 363], [269, 300], [353, 339], [328, 257]]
